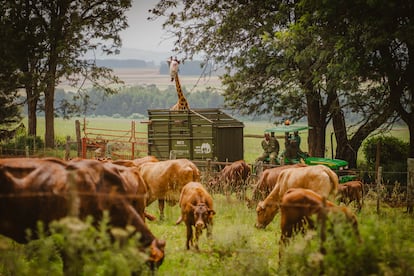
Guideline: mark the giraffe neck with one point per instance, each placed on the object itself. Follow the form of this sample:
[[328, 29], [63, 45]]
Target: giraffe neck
[[182, 103]]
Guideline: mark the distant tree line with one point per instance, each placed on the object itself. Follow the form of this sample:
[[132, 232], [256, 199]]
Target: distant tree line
[[124, 63], [129, 100], [188, 68]]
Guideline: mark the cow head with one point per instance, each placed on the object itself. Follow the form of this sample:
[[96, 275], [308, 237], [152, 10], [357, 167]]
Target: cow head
[[203, 215], [156, 253], [265, 214]]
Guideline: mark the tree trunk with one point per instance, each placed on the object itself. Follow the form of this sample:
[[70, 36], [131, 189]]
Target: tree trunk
[[31, 109], [316, 138], [32, 118], [49, 102], [344, 150], [49, 117], [410, 125]]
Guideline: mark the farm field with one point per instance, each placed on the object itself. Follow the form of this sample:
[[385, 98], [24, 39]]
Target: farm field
[[252, 148], [142, 77], [237, 247]]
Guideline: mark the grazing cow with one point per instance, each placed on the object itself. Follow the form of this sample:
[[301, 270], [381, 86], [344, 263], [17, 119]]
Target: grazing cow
[[196, 210], [351, 191], [267, 182], [297, 208], [50, 189], [165, 179], [319, 178], [233, 177]]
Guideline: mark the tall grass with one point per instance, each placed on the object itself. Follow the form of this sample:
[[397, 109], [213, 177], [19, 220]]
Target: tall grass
[[236, 248]]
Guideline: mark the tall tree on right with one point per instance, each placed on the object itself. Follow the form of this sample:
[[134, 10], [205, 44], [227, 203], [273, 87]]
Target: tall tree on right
[[375, 40]]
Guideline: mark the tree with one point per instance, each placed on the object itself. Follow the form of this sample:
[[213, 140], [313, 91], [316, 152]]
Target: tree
[[55, 37], [279, 60], [377, 38]]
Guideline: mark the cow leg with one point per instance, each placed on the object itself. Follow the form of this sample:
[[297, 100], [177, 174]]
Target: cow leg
[[358, 203], [161, 204], [189, 235], [209, 230], [198, 232]]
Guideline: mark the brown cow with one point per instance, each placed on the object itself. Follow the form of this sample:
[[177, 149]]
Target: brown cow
[[351, 191], [165, 179], [319, 178], [297, 208], [42, 189], [196, 210], [136, 162], [233, 177], [267, 182]]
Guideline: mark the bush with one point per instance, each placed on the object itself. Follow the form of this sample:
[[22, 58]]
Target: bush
[[393, 157], [381, 250], [19, 144], [88, 251]]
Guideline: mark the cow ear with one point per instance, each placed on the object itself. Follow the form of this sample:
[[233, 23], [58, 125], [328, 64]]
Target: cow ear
[[211, 212], [261, 205]]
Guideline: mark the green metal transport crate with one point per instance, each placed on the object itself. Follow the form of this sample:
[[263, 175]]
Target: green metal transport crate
[[197, 134]]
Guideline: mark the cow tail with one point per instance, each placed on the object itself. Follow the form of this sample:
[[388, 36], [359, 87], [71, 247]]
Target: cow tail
[[334, 180]]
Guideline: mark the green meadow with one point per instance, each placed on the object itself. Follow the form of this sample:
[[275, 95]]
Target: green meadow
[[252, 147]]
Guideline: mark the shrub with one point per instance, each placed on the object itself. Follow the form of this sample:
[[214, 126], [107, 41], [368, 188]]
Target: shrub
[[393, 157], [18, 145], [88, 251]]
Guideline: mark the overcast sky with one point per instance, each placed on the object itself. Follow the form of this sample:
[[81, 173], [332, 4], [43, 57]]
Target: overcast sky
[[143, 34]]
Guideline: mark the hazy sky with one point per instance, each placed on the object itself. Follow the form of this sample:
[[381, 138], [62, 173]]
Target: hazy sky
[[143, 34]]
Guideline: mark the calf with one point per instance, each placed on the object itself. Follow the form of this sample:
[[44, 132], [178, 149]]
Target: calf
[[267, 182], [165, 179], [233, 177], [351, 191], [299, 205], [196, 211], [319, 178]]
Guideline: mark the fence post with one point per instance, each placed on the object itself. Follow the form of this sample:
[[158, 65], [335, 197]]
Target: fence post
[[410, 185], [379, 177], [83, 147], [67, 148], [208, 168], [132, 138], [26, 149], [78, 137]]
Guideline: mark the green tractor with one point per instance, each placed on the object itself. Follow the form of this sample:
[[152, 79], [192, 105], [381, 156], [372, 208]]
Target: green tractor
[[293, 154]]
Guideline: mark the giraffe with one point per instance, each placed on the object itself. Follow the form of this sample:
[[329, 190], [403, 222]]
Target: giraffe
[[182, 103]]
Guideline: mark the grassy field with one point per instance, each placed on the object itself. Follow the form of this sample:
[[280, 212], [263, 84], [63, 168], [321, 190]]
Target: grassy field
[[252, 148], [238, 248], [142, 77]]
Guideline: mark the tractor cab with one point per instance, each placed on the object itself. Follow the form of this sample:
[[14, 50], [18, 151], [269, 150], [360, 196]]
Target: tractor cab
[[293, 153]]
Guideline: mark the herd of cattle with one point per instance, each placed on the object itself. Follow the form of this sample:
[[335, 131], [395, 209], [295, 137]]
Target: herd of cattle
[[43, 189]]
